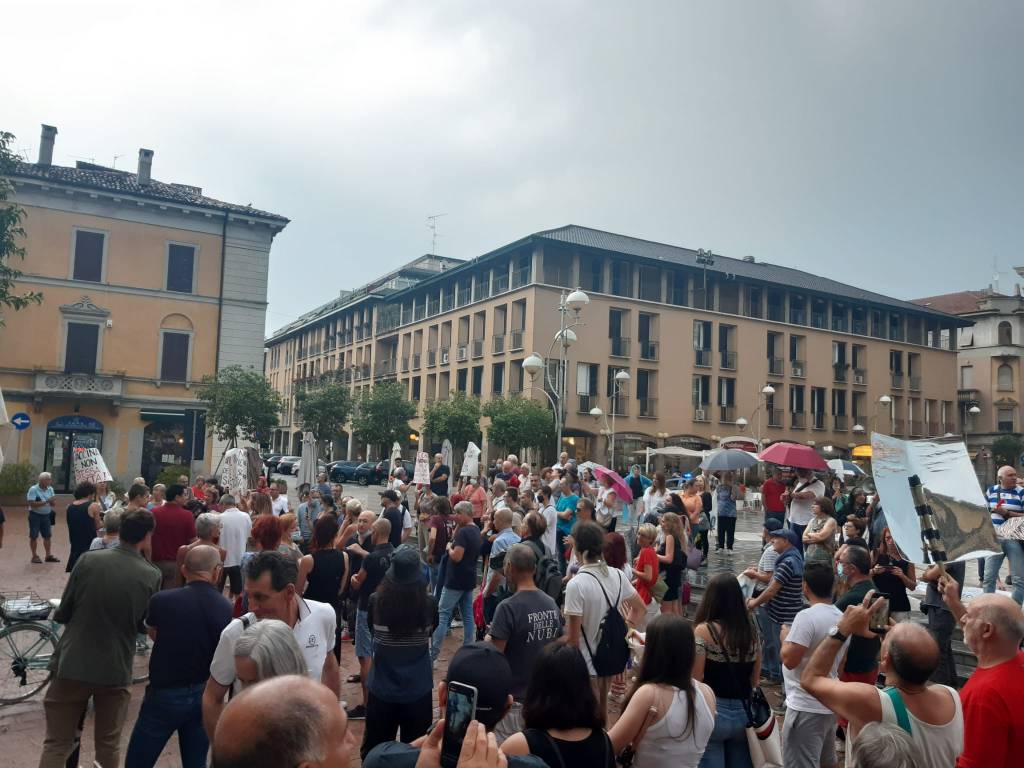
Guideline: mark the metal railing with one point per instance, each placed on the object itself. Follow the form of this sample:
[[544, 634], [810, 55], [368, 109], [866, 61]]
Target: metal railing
[[727, 360], [585, 403], [702, 358], [515, 340], [775, 417], [500, 283], [840, 421], [618, 405], [520, 277], [405, 365], [839, 372], [897, 426], [897, 380], [860, 376], [416, 361], [916, 428], [915, 383], [776, 366], [727, 414], [648, 350], [648, 407], [776, 313], [431, 358], [798, 368], [817, 421], [498, 343], [933, 429], [620, 346], [476, 348], [798, 420]]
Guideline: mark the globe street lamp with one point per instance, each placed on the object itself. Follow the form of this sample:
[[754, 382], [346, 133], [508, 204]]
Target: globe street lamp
[[766, 391], [621, 378], [883, 400]]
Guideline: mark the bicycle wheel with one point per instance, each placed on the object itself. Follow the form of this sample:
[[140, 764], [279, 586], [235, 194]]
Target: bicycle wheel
[[140, 661], [25, 653]]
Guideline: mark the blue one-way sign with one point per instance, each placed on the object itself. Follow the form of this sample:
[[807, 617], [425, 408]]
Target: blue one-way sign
[[21, 420]]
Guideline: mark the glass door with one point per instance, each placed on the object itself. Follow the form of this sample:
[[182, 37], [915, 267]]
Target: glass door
[[59, 458]]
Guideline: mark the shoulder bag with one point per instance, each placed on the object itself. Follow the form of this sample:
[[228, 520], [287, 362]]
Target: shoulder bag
[[628, 754]]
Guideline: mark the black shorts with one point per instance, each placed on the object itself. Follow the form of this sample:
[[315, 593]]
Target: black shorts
[[232, 574]]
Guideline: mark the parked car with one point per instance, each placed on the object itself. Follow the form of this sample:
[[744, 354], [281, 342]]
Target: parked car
[[320, 467], [285, 464], [343, 471], [271, 463], [371, 472]]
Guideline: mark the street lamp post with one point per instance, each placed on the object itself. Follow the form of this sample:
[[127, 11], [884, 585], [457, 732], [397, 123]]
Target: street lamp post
[[766, 391], [569, 307], [620, 381], [883, 400]]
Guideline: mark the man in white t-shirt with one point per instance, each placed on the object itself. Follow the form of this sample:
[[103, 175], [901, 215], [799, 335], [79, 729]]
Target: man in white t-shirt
[[808, 739], [806, 488], [270, 587], [235, 527], [587, 598], [279, 498]]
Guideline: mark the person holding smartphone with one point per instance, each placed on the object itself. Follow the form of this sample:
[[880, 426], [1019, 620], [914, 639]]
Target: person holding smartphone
[[893, 574]]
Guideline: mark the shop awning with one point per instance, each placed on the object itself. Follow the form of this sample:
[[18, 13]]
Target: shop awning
[[862, 452], [162, 416]]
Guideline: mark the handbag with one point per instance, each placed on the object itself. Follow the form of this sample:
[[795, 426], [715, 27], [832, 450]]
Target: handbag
[[626, 757], [762, 730], [658, 590]]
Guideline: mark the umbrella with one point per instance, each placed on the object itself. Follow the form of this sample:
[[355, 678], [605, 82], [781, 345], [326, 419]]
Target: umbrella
[[794, 455], [728, 459], [591, 465], [620, 486], [307, 461], [844, 467], [447, 454]]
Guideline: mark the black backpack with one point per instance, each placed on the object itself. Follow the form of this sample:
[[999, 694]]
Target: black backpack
[[612, 653], [548, 574]]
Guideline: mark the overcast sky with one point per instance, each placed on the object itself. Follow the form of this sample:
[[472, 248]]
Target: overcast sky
[[879, 143]]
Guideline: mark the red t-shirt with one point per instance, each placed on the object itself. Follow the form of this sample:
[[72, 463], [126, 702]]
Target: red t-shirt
[[993, 728], [771, 496], [514, 480], [175, 527], [646, 557]]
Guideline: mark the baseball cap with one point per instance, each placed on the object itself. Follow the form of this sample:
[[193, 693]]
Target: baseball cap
[[487, 669], [787, 534]]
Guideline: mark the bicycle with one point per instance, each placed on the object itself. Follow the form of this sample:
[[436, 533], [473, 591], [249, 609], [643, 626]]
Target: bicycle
[[28, 640]]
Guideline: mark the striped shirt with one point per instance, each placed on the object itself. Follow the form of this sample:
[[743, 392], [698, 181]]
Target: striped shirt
[[1004, 499], [789, 600]]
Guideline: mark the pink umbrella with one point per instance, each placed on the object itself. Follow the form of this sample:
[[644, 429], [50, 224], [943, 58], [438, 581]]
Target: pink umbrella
[[620, 486], [794, 455]]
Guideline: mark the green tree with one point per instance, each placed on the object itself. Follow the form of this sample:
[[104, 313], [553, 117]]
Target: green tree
[[1006, 449], [11, 216], [382, 416], [457, 419], [518, 422], [240, 403], [324, 410]]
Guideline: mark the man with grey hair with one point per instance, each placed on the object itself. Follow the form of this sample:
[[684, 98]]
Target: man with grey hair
[[1005, 502], [993, 628], [285, 721], [494, 579], [41, 516], [885, 746], [185, 625], [235, 528]]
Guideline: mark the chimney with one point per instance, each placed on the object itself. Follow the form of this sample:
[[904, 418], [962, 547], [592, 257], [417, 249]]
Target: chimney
[[46, 145], [145, 166]]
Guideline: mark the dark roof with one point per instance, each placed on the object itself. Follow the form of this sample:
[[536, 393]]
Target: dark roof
[[959, 303], [768, 273], [127, 183]]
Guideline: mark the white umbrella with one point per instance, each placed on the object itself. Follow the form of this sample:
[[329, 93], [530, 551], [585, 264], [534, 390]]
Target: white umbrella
[[308, 460], [446, 457], [843, 467], [471, 461], [396, 452]]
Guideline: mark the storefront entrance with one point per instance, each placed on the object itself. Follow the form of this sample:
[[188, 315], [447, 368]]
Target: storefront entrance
[[63, 435]]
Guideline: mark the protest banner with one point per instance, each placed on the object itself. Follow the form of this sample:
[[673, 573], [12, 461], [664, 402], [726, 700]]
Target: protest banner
[[471, 461], [90, 467], [421, 475], [234, 474], [957, 513]]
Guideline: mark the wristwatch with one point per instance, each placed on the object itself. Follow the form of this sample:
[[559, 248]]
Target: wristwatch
[[835, 634]]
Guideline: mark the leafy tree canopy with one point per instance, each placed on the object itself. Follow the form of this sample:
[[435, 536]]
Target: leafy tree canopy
[[456, 419], [240, 403], [324, 410], [1007, 449], [11, 231], [382, 415], [518, 422]]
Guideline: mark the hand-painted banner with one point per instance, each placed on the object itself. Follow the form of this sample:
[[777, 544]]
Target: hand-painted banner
[[421, 475], [90, 467]]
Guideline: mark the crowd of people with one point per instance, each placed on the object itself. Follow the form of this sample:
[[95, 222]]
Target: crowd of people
[[571, 588]]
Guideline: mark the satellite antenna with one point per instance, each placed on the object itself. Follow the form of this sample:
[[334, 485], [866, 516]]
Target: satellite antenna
[[432, 226], [114, 166]]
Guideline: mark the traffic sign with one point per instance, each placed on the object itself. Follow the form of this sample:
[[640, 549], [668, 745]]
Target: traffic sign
[[21, 420]]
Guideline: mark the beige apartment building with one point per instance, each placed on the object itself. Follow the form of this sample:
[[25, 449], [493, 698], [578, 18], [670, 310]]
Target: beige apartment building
[[702, 336], [147, 287]]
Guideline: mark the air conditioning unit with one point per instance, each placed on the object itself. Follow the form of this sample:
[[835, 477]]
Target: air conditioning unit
[[798, 370], [700, 415], [860, 378], [444, 358], [461, 355]]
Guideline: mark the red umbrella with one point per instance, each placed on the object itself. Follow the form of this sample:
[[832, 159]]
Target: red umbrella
[[620, 486], [794, 455]]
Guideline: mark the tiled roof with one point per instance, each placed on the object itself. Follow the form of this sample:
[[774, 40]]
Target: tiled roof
[[126, 183], [753, 270], [959, 303]]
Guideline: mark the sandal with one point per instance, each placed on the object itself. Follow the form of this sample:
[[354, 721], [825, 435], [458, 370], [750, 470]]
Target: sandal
[[52, 559], [354, 678], [36, 559]]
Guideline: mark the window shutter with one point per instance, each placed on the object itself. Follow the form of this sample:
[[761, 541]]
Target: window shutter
[[88, 256], [80, 351], [174, 361]]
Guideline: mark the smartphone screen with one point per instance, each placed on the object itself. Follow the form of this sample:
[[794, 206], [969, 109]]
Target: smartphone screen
[[880, 617], [458, 714]]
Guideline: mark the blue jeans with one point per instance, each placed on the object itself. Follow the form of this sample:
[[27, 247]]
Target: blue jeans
[[164, 711], [728, 745], [771, 662], [449, 599], [1014, 551], [799, 530]]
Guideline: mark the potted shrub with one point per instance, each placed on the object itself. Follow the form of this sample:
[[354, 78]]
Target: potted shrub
[[15, 480]]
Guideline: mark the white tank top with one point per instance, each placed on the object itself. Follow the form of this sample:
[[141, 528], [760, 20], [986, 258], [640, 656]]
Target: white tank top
[[941, 745], [668, 743]]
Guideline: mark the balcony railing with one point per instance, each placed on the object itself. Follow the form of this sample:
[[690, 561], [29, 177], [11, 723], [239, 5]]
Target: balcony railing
[[914, 382], [476, 348], [916, 428], [447, 304], [520, 277], [648, 350], [968, 396], [702, 358], [81, 384], [701, 412], [620, 347], [775, 417], [933, 429], [648, 407], [798, 420], [385, 368], [775, 313], [405, 365], [776, 366], [433, 307], [897, 380], [839, 372], [500, 283], [463, 296], [727, 414], [416, 361], [897, 426], [515, 341], [797, 317], [798, 368], [818, 320], [840, 422], [586, 403], [727, 360], [462, 353], [618, 405], [860, 376], [431, 358], [498, 343], [817, 421]]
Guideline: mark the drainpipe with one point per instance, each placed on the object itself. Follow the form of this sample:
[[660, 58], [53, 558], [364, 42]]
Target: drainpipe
[[220, 291]]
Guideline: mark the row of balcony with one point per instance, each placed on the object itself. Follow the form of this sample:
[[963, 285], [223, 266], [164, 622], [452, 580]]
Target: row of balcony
[[619, 405], [776, 417]]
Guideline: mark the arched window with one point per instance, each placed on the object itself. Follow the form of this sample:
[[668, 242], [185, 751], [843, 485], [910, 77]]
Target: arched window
[[1004, 378], [1005, 334], [175, 348]]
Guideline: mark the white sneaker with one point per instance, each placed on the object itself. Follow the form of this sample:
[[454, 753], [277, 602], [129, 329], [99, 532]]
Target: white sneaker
[[456, 623]]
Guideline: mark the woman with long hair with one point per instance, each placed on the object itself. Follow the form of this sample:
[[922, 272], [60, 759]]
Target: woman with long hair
[[672, 561], [668, 716], [401, 617], [656, 494], [563, 724], [820, 534], [728, 660], [324, 572], [260, 504], [894, 575]]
